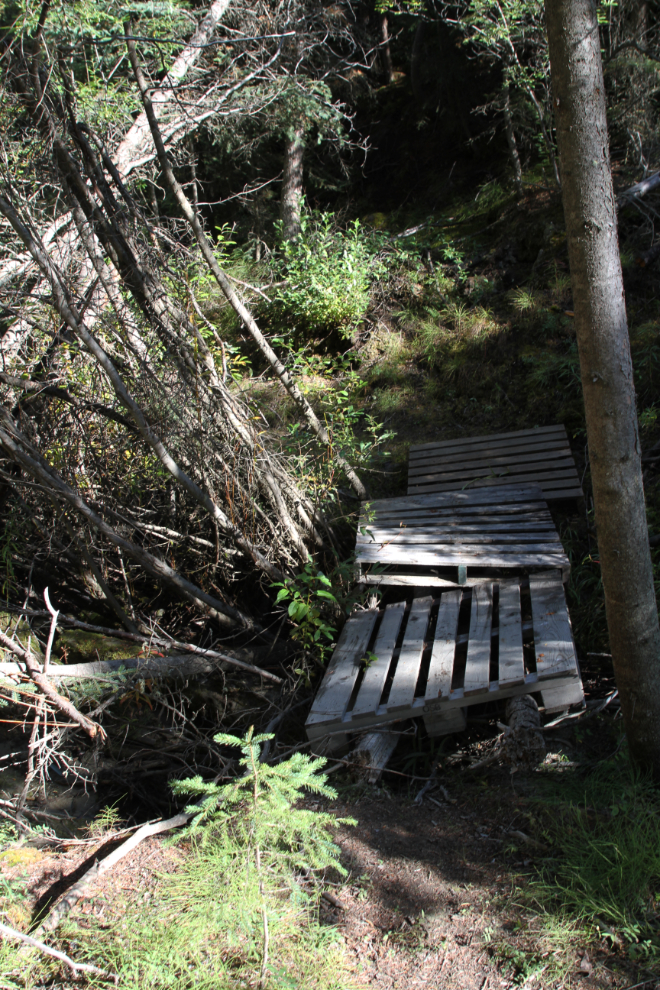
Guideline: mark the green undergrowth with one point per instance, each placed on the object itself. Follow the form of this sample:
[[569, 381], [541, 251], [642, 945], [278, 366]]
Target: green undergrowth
[[603, 869], [240, 907]]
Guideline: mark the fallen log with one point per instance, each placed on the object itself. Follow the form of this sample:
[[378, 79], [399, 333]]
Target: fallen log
[[187, 665]]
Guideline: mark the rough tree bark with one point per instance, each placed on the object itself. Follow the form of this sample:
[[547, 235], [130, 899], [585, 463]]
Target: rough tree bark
[[385, 48], [511, 141], [292, 182], [606, 369]]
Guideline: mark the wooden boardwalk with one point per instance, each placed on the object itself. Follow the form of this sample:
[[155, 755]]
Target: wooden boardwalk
[[481, 569], [433, 656], [542, 456], [440, 539]]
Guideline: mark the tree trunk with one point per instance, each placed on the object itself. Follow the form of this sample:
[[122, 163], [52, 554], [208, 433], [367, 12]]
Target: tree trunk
[[385, 48], [511, 141], [138, 139], [292, 183], [606, 368]]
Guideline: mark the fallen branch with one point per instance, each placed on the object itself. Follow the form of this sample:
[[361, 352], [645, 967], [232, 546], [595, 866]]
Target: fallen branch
[[80, 889], [638, 190], [93, 729], [56, 954]]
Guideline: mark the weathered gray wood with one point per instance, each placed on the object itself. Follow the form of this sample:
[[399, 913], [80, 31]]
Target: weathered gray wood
[[528, 492], [414, 580], [562, 694], [485, 478], [553, 637], [375, 675], [535, 451], [477, 667], [445, 722], [542, 530], [373, 753], [496, 466], [449, 556], [543, 457], [438, 684], [511, 660], [407, 668], [539, 431], [413, 535], [335, 691]]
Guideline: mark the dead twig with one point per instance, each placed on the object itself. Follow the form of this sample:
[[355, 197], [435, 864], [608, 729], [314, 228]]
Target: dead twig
[[56, 954]]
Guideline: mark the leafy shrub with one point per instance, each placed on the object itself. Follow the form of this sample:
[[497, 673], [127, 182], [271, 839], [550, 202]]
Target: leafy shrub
[[327, 274]]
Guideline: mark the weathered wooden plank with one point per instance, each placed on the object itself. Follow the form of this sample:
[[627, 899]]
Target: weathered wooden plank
[[500, 448], [416, 554], [511, 660], [404, 537], [553, 637], [407, 668], [477, 666], [415, 580], [564, 492], [538, 431], [443, 723], [467, 454], [448, 527], [441, 668], [375, 675], [334, 693], [510, 471], [561, 693], [510, 460], [528, 492], [565, 476]]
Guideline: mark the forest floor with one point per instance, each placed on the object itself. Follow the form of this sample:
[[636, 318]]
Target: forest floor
[[438, 894], [441, 893]]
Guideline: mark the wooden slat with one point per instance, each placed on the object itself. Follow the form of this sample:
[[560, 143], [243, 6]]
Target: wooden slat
[[565, 493], [553, 638], [438, 684], [539, 431], [566, 477], [415, 553], [515, 493], [511, 659], [486, 470], [488, 448], [449, 526], [375, 675], [335, 691], [436, 465], [407, 668], [477, 667], [501, 448], [413, 536]]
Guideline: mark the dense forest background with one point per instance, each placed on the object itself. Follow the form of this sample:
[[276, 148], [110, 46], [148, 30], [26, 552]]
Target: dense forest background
[[249, 252]]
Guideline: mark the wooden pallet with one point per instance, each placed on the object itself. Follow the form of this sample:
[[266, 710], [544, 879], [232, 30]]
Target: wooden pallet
[[436, 540], [434, 656], [542, 456]]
